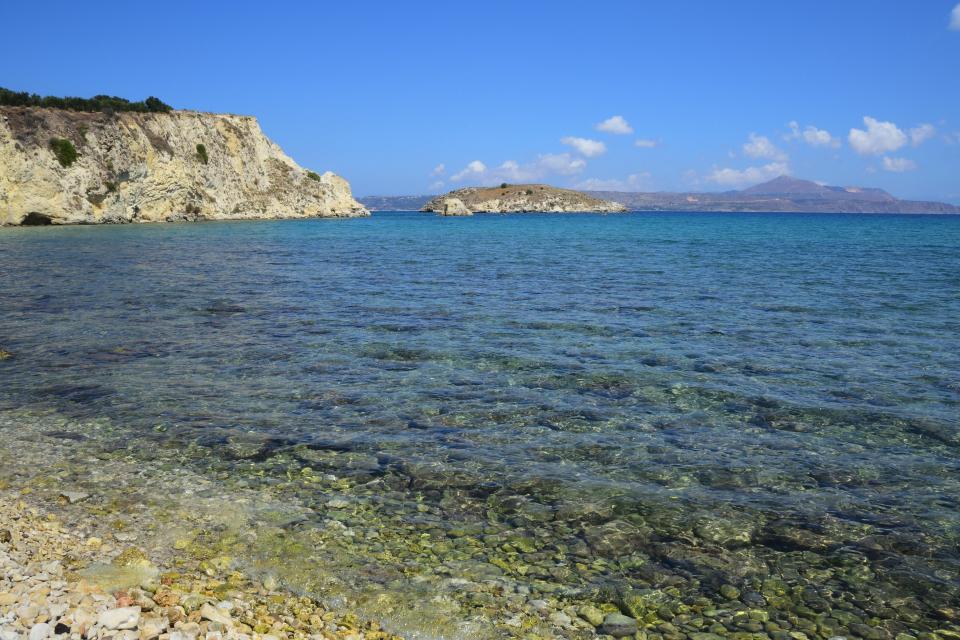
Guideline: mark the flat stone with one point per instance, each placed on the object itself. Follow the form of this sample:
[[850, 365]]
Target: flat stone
[[73, 497], [619, 625], [213, 614], [122, 618]]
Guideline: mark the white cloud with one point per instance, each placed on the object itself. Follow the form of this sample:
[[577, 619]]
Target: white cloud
[[921, 133], [615, 124], [955, 18], [761, 147], [438, 170], [634, 182], [644, 143], [811, 135], [436, 186], [562, 163], [545, 165], [898, 165], [750, 175], [475, 168], [585, 146], [878, 138]]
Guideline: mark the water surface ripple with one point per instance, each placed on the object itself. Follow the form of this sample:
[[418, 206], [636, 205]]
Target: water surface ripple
[[649, 403]]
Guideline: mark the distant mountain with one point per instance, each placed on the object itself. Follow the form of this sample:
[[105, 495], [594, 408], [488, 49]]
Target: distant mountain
[[783, 194], [395, 203]]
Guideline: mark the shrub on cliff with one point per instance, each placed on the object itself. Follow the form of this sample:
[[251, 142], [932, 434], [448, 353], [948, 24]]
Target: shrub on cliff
[[106, 104], [202, 154], [313, 175], [64, 150]]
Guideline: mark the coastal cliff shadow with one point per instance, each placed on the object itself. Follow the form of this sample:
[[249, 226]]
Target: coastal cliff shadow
[[34, 219]]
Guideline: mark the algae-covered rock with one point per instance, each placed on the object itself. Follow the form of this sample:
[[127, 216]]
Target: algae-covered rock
[[618, 625]]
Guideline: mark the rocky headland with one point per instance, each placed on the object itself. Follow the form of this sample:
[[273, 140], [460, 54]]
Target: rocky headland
[[60, 166], [519, 198]]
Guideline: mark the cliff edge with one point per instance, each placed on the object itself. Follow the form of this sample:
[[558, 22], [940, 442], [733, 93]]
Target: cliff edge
[[524, 198], [76, 167]]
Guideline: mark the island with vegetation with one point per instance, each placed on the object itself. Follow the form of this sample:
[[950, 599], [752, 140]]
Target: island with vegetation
[[109, 160], [519, 198]]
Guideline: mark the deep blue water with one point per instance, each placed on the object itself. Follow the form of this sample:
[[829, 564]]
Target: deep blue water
[[670, 371]]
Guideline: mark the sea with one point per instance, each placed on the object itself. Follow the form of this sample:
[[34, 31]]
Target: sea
[[492, 426]]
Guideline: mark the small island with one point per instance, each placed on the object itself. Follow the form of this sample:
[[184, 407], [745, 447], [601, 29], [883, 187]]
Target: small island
[[519, 198]]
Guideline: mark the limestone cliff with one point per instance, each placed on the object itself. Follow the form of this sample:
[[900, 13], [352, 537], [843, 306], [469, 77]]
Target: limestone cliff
[[454, 207], [151, 167], [524, 198]]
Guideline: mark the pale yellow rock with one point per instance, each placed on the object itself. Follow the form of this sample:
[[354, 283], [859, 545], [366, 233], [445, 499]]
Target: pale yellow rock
[[522, 198], [145, 167], [454, 207]]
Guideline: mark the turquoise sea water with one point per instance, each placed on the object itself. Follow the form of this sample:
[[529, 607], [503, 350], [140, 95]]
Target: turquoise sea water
[[658, 404]]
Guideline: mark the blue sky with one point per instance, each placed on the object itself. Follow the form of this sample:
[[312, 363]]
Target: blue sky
[[418, 97]]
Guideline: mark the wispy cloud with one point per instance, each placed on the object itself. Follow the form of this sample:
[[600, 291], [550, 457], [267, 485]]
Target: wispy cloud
[[898, 165], [473, 169], [645, 143], [616, 125], [761, 147], [751, 175], [563, 164], [921, 133], [633, 182], [955, 18], [439, 170], [878, 138], [585, 146], [811, 135]]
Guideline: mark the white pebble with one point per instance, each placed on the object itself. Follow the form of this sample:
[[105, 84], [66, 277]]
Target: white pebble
[[40, 631], [122, 618]]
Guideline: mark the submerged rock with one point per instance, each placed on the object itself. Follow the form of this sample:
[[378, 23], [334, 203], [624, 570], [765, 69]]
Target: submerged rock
[[618, 625]]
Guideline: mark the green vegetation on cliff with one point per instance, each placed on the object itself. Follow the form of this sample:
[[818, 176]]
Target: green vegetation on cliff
[[64, 150], [103, 103]]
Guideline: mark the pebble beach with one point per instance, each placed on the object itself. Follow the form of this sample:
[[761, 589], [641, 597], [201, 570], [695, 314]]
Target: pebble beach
[[62, 581]]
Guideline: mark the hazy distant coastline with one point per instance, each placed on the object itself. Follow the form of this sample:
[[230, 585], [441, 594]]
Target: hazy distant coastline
[[783, 194]]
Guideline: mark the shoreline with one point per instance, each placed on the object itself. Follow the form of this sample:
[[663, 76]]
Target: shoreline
[[61, 580]]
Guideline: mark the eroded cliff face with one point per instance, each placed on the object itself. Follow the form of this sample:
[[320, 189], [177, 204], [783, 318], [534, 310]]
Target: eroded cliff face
[[146, 167]]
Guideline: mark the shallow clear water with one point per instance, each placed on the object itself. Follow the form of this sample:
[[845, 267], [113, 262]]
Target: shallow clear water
[[652, 400]]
